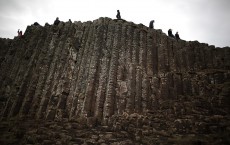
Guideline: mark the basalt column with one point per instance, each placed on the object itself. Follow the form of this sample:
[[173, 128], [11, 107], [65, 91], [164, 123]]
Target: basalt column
[[104, 68]]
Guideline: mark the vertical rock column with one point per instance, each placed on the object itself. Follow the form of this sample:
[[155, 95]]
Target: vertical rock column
[[110, 99]]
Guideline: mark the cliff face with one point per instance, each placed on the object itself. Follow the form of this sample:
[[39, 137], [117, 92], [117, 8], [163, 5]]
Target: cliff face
[[117, 74]]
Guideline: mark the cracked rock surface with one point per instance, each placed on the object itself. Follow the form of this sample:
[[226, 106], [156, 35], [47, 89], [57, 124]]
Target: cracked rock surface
[[112, 82]]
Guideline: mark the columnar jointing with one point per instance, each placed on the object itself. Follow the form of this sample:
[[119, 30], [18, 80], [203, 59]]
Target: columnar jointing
[[102, 68]]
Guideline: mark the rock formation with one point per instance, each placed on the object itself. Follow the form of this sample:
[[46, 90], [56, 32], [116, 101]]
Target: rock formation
[[112, 82]]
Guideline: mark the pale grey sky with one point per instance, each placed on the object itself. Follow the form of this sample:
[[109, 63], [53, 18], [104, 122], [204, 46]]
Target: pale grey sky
[[207, 21]]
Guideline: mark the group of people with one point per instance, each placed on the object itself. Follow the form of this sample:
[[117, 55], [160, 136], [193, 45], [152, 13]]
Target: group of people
[[170, 34], [19, 33], [118, 16], [56, 22]]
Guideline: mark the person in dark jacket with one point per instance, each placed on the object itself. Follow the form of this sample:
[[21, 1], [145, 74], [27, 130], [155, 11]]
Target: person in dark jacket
[[151, 24], [118, 15], [170, 34], [57, 21], [177, 36]]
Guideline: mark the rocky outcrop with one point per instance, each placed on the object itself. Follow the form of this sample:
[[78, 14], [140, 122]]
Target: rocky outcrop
[[113, 76]]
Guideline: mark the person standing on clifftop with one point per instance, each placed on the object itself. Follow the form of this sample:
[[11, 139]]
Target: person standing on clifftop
[[170, 34], [151, 24], [19, 33], [118, 15], [56, 22], [177, 36]]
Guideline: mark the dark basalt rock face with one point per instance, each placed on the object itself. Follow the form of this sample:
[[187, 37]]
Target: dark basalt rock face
[[112, 82]]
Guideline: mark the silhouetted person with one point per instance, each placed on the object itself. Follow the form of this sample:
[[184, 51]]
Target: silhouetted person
[[36, 24], [56, 22], [70, 21], [177, 36], [19, 33], [151, 24], [170, 34], [118, 14]]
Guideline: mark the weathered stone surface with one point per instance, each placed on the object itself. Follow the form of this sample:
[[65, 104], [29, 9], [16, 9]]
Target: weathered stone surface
[[112, 82]]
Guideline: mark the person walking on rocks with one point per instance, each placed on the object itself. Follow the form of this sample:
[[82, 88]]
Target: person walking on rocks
[[151, 24], [118, 15], [177, 36]]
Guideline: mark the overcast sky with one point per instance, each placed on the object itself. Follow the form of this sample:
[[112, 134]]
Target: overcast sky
[[207, 21]]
